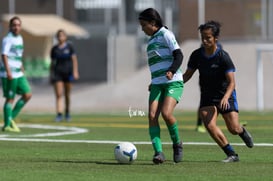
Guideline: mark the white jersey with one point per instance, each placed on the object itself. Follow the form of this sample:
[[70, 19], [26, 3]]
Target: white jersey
[[160, 58], [12, 47]]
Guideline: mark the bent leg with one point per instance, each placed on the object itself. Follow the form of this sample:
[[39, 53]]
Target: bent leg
[[209, 116], [20, 104], [233, 125], [167, 114]]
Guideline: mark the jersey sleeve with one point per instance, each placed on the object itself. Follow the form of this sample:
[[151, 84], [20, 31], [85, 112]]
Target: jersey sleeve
[[193, 61], [52, 55], [72, 50], [171, 41], [6, 45], [228, 64]]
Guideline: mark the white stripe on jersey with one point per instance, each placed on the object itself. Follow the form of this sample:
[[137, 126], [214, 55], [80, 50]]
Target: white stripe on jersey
[[158, 80]]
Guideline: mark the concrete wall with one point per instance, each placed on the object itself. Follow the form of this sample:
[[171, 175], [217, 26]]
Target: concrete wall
[[92, 58], [102, 60], [240, 19], [125, 56]]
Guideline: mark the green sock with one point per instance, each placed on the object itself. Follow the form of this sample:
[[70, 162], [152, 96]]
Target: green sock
[[155, 137], [17, 108], [7, 114], [174, 133]]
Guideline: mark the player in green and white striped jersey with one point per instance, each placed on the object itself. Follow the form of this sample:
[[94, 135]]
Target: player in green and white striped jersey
[[11, 72], [166, 88]]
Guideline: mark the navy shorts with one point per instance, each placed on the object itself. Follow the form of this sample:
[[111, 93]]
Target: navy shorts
[[62, 76], [207, 100]]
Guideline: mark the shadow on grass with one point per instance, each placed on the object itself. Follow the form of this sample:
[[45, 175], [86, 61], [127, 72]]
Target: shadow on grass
[[110, 162]]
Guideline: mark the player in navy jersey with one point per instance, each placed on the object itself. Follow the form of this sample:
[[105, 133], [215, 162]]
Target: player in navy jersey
[[63, 70], [217, 85]]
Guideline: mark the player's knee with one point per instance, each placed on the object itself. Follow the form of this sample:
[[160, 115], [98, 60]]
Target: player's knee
[[166, 115], [235, 130], [152, 116], [27, 97], [210, 126]]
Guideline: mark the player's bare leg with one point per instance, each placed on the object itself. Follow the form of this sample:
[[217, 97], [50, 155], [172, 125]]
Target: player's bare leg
[[67, 91], [234, 127], [58, 88], [209, 116]]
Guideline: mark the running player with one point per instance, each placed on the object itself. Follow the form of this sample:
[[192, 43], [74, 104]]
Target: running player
[[164, 59], [63, 70], [11, 71], [217, 83]]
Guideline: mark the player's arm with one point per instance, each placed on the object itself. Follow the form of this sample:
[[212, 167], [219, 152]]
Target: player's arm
[[6, 45], [231, 86], [75, 67], [177, 61], [188, 74], [6, 65]]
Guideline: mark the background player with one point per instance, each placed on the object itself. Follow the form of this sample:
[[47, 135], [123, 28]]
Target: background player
[[63, 70], [13, 79], [217, 83], [164, 59]]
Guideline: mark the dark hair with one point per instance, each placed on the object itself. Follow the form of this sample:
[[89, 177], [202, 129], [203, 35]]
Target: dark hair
[[150, 15], [60, 31], [13, 19], [213, 25]]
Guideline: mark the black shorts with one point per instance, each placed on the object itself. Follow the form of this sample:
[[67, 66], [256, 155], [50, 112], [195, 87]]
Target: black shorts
[[207, 100], [62, 76]]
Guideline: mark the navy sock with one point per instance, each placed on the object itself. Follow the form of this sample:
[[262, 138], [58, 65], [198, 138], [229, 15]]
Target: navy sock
[[228, 149]]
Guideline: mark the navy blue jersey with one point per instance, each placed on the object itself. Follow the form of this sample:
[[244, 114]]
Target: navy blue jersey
[[62, 58], [212, 71]]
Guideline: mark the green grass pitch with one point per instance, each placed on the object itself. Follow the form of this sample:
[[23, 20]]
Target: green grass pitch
[[24, 158]]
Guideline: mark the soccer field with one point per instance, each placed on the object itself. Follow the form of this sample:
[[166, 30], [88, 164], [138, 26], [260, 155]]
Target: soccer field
[[83, 149]]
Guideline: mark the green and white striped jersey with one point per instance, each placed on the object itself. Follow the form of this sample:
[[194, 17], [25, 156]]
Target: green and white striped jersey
[[160, 48], [12, 47]]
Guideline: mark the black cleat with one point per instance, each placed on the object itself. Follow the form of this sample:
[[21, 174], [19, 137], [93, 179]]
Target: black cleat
[[158, 158], [247, 138], [177, 152]]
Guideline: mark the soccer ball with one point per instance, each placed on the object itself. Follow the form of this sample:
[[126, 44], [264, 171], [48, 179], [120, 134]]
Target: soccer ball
[[125, 152]]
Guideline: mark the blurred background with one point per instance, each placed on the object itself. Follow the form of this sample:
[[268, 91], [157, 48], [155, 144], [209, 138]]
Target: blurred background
[[111, 48]]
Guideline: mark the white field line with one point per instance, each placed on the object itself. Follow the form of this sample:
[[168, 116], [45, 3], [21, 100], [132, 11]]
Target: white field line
[[62, 130], [117, 142], [67, 130]]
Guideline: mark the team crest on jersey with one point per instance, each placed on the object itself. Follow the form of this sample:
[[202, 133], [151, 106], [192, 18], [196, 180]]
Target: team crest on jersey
[[66, 51], [214, 66], [152, 54]]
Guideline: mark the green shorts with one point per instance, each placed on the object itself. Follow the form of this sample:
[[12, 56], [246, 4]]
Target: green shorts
[[159, 91], [15, 86]]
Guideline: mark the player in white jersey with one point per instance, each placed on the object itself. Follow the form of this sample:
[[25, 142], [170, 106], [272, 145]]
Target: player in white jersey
[[13, 79], [166, 88]]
